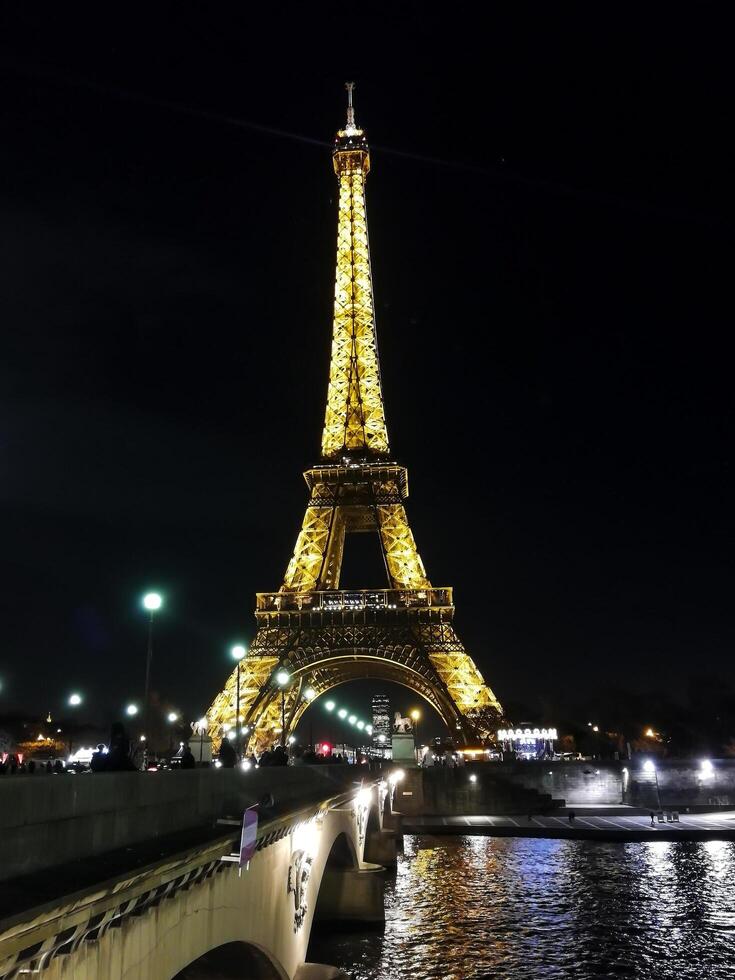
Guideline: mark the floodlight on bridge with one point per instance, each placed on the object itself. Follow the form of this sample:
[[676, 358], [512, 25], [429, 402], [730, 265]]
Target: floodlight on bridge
[[364, 797], [330, 706]]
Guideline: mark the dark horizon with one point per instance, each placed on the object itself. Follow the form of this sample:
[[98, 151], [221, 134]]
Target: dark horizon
[[551, 255]]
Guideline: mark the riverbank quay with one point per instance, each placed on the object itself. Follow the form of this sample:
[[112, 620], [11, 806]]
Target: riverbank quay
[[481, 787], [585, 824]]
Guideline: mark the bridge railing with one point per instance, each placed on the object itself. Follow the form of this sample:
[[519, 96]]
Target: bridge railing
[[339, 600]]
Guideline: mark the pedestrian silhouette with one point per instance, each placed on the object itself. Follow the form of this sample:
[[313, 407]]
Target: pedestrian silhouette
[[227, 754], [118, 758], [98, 762]]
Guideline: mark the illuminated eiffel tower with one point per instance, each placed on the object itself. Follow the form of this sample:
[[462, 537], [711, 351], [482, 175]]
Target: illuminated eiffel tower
[[321, 635]]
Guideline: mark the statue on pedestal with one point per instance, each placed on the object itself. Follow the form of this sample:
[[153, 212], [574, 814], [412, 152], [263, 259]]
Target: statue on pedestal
[[401, 726]]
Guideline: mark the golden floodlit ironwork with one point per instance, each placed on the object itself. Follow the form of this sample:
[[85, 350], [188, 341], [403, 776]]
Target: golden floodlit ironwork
[[355, 418], [320, 634]]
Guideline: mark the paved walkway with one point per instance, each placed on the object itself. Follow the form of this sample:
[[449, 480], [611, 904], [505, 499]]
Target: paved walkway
[[586, 825]]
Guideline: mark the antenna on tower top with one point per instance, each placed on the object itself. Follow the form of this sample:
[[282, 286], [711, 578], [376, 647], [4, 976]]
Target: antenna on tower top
[[350, 110]]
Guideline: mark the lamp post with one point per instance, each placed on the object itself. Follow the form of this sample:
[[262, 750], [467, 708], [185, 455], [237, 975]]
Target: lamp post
[[74, 700], [650, 768], [415, 715], [282, 679], [238, 652], [309, 695], [152, 601], [172, 717]]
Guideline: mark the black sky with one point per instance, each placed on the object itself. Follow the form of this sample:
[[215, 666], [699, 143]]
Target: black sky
[[550, 225]]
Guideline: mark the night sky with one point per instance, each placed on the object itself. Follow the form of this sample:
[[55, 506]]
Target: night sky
[[549, 211]]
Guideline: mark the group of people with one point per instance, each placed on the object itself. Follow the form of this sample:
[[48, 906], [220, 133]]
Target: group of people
[[448, 759], [14, 765], [121, 756], [277, 756]]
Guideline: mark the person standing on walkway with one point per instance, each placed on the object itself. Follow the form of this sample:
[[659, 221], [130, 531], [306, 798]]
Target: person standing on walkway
[[227, 754], [653, 824]]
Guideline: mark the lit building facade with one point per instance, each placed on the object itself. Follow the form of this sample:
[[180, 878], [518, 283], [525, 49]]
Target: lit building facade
[[527, 742], [381, 721]]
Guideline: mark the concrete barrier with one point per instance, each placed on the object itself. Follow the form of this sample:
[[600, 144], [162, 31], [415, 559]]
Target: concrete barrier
[[509, 787], [48, 820]]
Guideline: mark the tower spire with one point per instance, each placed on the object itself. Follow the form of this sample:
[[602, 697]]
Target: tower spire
[[350, 108], [354, 422]]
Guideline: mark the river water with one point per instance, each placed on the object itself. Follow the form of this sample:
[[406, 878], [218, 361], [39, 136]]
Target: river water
[[470, 908]]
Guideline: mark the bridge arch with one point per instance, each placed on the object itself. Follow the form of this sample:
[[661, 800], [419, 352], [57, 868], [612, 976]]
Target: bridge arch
[[232, 961], [343, 853]]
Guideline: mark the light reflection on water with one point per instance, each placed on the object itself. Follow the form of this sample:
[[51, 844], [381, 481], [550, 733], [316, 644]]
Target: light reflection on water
[[471, 908]]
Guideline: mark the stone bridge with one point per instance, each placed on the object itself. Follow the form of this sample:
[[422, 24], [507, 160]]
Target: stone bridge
[[125, 875]]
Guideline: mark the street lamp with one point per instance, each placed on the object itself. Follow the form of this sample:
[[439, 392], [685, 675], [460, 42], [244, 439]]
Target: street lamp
[[132, 709], [75, 700], [238, 652], [152, 602], [650, 768], [282, 679], [415, 715]]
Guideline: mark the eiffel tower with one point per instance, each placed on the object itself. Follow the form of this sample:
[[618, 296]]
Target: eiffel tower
[[319, 634]]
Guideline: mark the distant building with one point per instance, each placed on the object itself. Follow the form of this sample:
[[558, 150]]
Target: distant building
[[527, 742], [382, 726]]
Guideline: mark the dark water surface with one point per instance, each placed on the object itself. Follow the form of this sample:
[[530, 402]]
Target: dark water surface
[[467, 908]]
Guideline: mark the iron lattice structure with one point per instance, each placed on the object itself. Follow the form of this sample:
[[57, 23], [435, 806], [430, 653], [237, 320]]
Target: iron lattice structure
[[320, 634]]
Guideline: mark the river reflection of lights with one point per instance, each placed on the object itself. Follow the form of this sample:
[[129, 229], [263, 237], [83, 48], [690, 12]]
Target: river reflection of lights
[[480, 907], [720, 856], [658, 854]]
